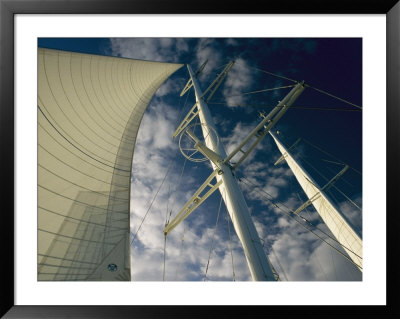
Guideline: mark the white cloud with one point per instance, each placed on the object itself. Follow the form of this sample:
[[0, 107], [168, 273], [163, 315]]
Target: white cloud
[[154, 49], [206, 50], [232, 42], [239, 133], [353, 214], [238, 79]]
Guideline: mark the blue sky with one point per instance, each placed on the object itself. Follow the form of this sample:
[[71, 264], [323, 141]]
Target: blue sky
[[332, 65]]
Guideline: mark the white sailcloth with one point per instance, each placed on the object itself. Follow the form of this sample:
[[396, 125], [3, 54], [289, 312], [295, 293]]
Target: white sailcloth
[[89, 111], [340, 228]]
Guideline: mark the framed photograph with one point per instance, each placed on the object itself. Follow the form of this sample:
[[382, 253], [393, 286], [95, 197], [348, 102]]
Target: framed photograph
[[91, 233]]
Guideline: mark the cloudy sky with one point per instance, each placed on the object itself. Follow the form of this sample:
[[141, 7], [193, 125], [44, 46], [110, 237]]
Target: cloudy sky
[[205, 246]]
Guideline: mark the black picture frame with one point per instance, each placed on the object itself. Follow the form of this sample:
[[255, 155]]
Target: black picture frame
[[8, 10]]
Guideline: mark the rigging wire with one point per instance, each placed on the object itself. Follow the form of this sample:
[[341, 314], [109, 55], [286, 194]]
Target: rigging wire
[[270, 73], [165, 235], [333, 197], [212, 240], [154, 198], [326, 179], [292, 107], [169, 195], [181, 248], [320, 219], [308, 222], [222, 66], [260, 91], [348, 198], [333, 171], [265, 90], [165, 246], [312, 87], [325, 152], [334, 186], [331, 95], [167, 218], [342, 178], [277, 259], [158, 190], [351, 202], [176, 188], [183, 108], [334, 266], [328, 161], [179, 180]]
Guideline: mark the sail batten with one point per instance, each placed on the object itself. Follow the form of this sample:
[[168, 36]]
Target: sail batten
[[89, 111], [333, 219]]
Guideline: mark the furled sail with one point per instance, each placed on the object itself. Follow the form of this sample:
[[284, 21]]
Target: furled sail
[[89, 111], [337, 224]]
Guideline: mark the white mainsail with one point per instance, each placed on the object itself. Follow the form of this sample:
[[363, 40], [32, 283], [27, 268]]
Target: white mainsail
[[333, 219], [89, 111]]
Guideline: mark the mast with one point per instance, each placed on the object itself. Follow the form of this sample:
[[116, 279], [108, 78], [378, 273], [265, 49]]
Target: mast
[[234, 200], [223, 170], [331, 216]]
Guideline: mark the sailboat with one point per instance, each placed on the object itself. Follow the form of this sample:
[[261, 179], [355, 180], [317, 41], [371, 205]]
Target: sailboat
[[89, 112]]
